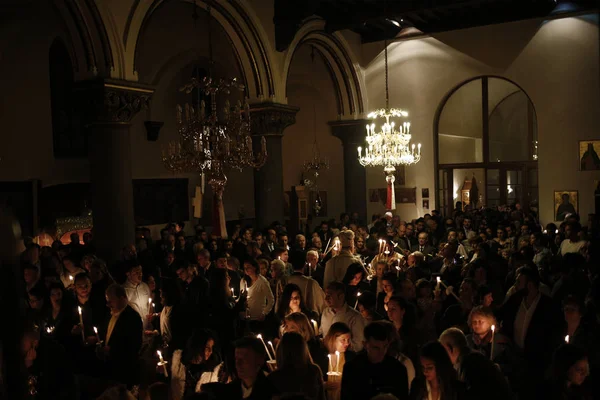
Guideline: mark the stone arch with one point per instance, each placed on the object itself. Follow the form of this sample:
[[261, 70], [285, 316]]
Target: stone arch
[[340, 62], [252, 49]]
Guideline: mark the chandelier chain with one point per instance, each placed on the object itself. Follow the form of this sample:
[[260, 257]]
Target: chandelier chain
[[387, 89]]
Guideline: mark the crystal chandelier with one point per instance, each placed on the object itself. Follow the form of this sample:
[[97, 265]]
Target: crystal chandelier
[[213, 141], [389, 144]]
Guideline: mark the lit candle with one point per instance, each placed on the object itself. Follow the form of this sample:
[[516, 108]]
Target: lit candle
[[493, 335], [150, 306], [439, 282], [232, 293], [357, 296], [97, 336], [327, 245], [309, 270], [567, 339], [337, 363], [259, 336], [81, 323], [272, 348], [160, 356], [397, 271], [315, 326], [162, 363], [330, 363], [70, 280]]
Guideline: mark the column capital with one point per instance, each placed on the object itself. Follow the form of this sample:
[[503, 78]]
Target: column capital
[[271, 119], [111, 101], [350, 132]]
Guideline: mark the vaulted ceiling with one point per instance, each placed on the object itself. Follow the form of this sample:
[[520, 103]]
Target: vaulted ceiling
[[378, 19]]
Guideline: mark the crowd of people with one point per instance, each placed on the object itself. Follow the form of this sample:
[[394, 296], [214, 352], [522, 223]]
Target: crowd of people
[[479, 304]]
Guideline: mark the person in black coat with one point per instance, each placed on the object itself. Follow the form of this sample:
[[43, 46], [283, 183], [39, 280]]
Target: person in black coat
[[122, 338], [424, 246], [373, 371], [545, 328]]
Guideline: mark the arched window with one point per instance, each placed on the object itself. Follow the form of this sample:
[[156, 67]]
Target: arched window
[[69, 139], [487, 130]]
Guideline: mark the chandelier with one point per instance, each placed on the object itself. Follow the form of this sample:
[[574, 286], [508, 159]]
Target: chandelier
[[212, 141], [389, 144]]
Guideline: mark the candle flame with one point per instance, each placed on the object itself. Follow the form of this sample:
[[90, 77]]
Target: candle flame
[[567, 339], [493, 328], [259, 336], [149, 301], [358, 294], [70, 277], [95, 330], [79, 309], [313, 321], [438, 279], [337, 353], [398, 267], [270, 343]]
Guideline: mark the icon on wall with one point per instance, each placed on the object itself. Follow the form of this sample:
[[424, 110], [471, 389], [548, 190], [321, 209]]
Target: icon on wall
[[566, 202], [589, 159], [426, 204], [425, 193]]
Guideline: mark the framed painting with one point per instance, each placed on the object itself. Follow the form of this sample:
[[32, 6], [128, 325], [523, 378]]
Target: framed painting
[[589, 159], [566, 202]]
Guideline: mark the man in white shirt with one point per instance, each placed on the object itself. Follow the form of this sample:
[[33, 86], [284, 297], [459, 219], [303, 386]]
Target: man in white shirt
[[572, 243], [338, 311], [313, 295], [138, 293], [335, 269]]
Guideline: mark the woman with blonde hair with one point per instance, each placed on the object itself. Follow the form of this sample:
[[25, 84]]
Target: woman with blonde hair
[[336, 344], [296, 372]]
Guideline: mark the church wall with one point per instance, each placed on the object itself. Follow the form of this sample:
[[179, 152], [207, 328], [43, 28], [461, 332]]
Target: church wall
[[310, 85], [556, 64]]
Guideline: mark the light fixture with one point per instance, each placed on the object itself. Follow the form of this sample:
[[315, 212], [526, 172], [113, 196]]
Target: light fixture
[[389, 144], [216, 140], [393, 21]]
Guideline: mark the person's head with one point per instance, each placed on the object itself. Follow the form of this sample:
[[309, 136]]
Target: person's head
[[251, 268], [380, 269], [455, 343], [481, 320], [324, 226], [170, 293], [301, 241], [484, 296], [437, 366], [347, 240], [183, 272], [133, 271], [220, 280], [388, 283], [291, 300], [37, 298], [354, 274], [200, 348], [317, 243], [573, 309], [116, 298], [247, 234], [524, 230], [233, 264], [158, 391], [203, 258], [69, 263], [282, 254], [292, 353], [277, 269], [376, 342], [572, 230], [528, 280], [30, 339], [283, 240], [467, 223], [423, 239], [249, 358], [264, 265], [56, 293], [83, 285], [338, 338], [570, 366], [272, 235], [406, 289], [298, 322], [359, 243], [335, 295], [312, 257], [367, 303], [30, 274], [396, 309], [449, 250]]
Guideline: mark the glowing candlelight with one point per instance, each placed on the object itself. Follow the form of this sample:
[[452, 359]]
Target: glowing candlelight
[[259, 336], [397, 271], [330, 363], [272, 348], [357, 296], [81, 323], [492, 349], [567, 339], [162, 363], [160, 356], [315, 326], [439, 282], [337, 363]]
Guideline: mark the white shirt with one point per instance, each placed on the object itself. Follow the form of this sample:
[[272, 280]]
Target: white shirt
[[336, 268], [313, 295], [523, 320], [566, 246], [348, 316], [260, 298], [138, 297], [165, 323]]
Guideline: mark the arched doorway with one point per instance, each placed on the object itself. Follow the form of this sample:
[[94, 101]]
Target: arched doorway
[[486, 129]]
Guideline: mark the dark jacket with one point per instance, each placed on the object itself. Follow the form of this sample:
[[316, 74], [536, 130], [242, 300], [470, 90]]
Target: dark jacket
[[54, 379], [124, 343], [362, 380], [418, 390], [262, 390]]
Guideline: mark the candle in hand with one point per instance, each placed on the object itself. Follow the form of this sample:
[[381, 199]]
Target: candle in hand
[[160, 356], [162, 363], [259, 336], [81, 323], [330, 363], [315, 326], [567, 339], [337, 363], [272, 348], [492, 349], [357, 296], [97, 336]]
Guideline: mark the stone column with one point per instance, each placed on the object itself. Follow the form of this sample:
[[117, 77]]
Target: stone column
[[270, 120], [107, 108], [352, 134]]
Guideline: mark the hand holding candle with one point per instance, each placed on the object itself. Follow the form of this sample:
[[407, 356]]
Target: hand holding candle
[[97, 336], [162, 363], [81, 323], [358, 294], [259, 336], [272, 348], [492, 349], [315, 326]]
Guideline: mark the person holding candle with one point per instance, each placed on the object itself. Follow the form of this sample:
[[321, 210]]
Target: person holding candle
[[408, 337], [122, 338], [312, 293], [198, 363], [366, 306], [482, 378], [374, 371], [296, 372], [568, 373], [317, 268], [336, 342], [439, 380], [292, 301], [137, 291], [388, 284], [69, 269], [355, 282], [58, 315], [260, 297], [339, 311], [335, 269], [298, 322]]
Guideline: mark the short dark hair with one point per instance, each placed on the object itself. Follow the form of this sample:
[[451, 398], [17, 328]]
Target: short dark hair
[[131, 264], [531, 274], [116, 290], [251, 343], [400, 301], [337, 286], [376, 330]]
